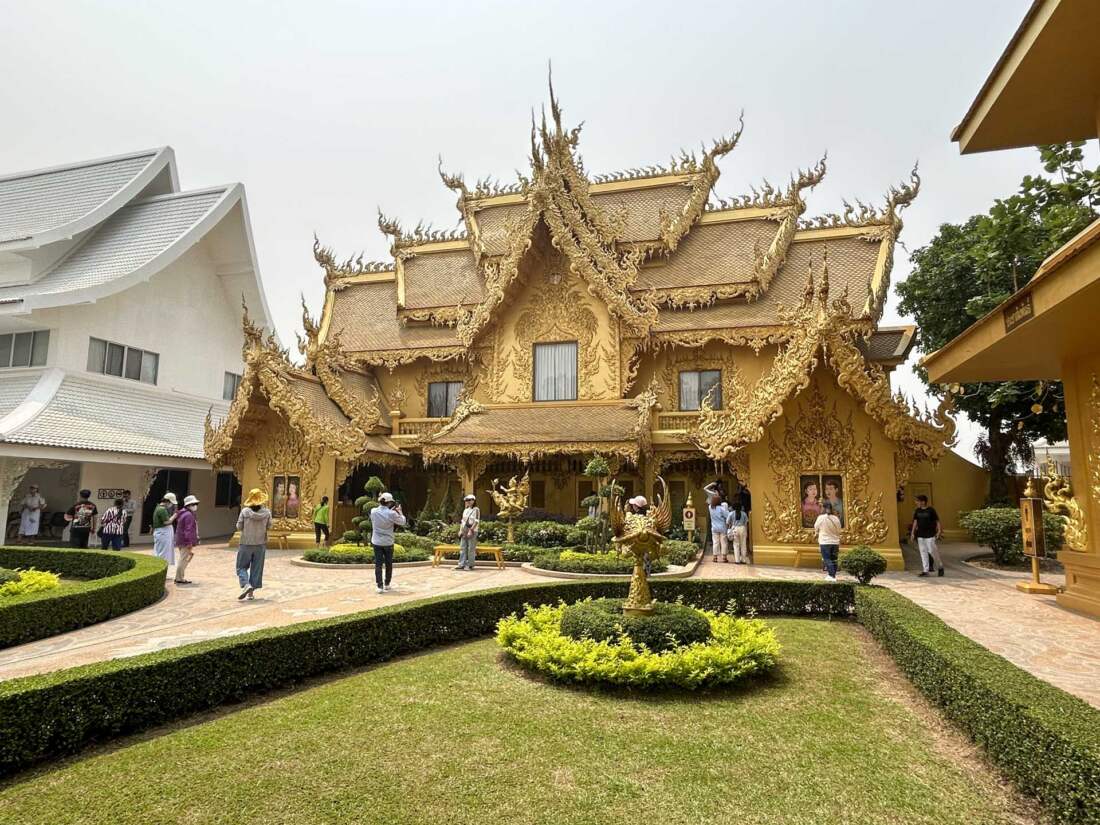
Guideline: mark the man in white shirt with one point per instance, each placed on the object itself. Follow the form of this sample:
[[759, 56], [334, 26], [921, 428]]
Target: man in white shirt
[[827, 530]]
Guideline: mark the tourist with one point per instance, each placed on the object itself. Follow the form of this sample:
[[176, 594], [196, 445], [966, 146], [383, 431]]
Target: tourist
[[320, 520], [926, 529], [164, 532], [30, 514], [827, 530], [811, 504], [738, 527], [130, 506], [467, 533], [383, 519], [113, 526], [82, 518], [187, 537], [253, 524], [719, 523]]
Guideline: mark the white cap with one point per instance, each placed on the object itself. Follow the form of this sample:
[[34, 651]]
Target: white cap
[[470, 497], [187, 502], [171, 497], [639, 501], [385, 497]]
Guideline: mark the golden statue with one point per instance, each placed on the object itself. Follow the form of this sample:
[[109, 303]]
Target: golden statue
[[640, 533], [511, 501], [1059, 500]]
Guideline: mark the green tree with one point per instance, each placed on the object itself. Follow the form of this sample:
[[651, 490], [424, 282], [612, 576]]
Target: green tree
[[975, 265]]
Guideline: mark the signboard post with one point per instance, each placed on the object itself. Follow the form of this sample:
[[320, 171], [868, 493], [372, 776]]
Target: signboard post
[[1034, 540], [689, 519]]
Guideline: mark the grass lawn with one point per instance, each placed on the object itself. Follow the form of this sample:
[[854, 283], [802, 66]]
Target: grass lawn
[[454, 736]]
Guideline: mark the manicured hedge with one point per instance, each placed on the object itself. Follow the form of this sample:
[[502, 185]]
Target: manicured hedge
[[1045, 740], [120, 583], [61, 712]]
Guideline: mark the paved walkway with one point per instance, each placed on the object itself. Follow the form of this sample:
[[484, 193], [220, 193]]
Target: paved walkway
[[1033, 632]]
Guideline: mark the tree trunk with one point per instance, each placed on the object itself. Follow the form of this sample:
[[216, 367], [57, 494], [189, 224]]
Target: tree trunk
[[999, 444]]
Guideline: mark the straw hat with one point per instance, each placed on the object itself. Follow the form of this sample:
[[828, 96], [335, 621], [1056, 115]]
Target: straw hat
[[255, 496], [187, 502]]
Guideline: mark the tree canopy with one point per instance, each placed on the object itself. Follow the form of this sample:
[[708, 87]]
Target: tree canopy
[[969, 268]]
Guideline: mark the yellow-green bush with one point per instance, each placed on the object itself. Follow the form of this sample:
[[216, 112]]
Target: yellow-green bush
[[738, 648], [30, 581]]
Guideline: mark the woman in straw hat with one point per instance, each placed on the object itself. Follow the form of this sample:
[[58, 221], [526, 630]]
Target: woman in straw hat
[[253, 524]]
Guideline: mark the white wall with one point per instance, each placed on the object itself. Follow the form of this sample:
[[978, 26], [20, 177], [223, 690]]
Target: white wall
[[182, 313]]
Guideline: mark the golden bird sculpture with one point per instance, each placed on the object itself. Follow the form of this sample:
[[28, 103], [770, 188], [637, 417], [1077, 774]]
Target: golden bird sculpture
[[511, 500], [640, 535]]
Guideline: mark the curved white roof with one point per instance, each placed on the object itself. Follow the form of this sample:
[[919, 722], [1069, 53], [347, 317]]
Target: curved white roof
[[46, 205]]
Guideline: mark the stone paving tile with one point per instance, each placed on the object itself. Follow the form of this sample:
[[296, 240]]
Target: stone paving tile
[[1033, 632]]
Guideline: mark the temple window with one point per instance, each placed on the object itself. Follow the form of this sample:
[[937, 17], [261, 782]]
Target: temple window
[[538, 493], [694, 386], [229, 385], [443, 398], [108, 358], [24, 349], [556, 371]]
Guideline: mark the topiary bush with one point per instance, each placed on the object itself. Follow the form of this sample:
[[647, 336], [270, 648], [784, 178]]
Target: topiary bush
[[542, 533], [737, 649], [863, 563], [669, 625], [364, 504], [680, 552], [356, 554]]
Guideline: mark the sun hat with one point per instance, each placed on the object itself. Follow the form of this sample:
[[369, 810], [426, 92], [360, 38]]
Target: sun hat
[[469, 497], [187, 502], [255, 496], [385, 497]]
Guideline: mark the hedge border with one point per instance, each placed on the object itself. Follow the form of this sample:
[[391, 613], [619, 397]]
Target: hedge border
[[119, 583], [1045, 740]]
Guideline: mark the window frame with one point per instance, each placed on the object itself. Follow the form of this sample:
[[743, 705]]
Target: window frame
[[237, 378], [35, 334], [535, 373], [699, 404], [111, 349], [450, 404]]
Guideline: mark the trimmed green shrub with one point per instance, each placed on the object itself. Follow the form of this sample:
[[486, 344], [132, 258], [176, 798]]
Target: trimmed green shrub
[[863, 563], [996, 528], [542, 533], [350, 536], [667, 627], [353, 554], [8, 575], [412, 541], [737, 649], [30, 581], [1045, 740], [116, 583], [680, 552], [510, 552], [574, 561]]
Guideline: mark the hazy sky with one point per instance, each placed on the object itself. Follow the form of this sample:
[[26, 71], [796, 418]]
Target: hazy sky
[[327, 110]]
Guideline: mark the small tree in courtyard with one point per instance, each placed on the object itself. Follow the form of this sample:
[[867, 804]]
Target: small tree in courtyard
[[364, 504]]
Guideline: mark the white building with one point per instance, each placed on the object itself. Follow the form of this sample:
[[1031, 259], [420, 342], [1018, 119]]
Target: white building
[[120, 328]]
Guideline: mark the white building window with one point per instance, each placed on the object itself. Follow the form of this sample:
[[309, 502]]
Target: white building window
[[109, 358], [24, 349], [556, 371], [694, 386], [229, 386], [443, 398]]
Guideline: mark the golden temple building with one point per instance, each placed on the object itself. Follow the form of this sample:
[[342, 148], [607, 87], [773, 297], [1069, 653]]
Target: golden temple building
[[630, 315], [1046, 89]]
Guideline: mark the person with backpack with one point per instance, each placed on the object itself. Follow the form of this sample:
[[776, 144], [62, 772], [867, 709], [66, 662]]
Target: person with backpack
[[738, 527], [187, 537], [82, 518], [112, 527], [827, 530]]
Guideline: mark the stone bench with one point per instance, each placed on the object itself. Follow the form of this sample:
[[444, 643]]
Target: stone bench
[[442, 550]]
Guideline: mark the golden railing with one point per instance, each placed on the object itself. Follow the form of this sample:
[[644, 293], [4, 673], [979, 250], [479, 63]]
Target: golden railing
[[676, 421], [418, 427]]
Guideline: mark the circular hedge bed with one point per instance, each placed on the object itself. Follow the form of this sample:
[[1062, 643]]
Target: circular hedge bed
[[115, 583], [603, 650]]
